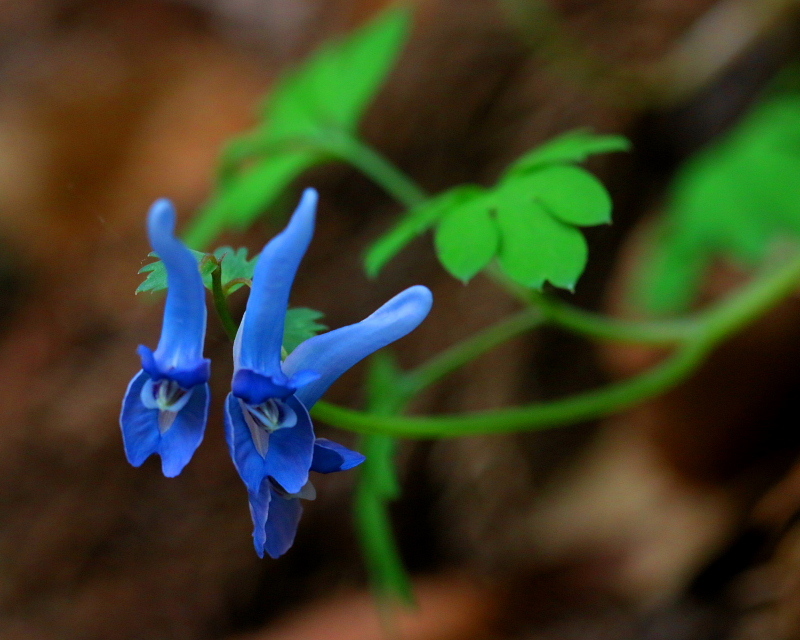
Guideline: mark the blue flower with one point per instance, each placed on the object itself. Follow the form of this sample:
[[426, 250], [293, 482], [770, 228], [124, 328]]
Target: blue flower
[[276, 513], [166, 405], [267, 425]]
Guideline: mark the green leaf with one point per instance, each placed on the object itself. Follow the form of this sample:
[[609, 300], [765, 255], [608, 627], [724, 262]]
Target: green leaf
[[378, 486], [671, 279], [301, 324], [235, 265], [466, 239], [536, 248], [733, 200], [569, 193], [334, 87], [573, 146], [416, 222], [156, 279], [538, 202], [329, 92]]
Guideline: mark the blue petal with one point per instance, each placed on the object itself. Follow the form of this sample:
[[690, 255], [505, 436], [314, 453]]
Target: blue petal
[[184, 328], [291, 450], [281, 526], [186, 377], [259, 511], [181, 440], [330, 456], [139, 424], [246, 459], [331, 354], [254, 388], [262, 326], [275, 520], [302, 378]]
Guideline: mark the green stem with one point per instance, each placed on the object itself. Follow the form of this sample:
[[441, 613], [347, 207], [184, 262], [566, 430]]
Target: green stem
[[750, 302], [364, 158], [714, 326], [544, 415], [594, 325], [416, 380], [221, 303], [377, 487]]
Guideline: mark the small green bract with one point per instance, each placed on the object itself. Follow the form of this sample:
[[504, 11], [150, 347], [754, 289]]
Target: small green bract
[[235, 266], [301, 323]]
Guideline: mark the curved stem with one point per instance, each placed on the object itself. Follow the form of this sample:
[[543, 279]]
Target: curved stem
[[694, 338], [231, 284], [416, 380], [584, 406], [713, 326], [594, 325], [364, 158], [221, 303]]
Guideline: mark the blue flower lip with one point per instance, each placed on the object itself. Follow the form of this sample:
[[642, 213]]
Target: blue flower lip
[[256, 388], [186, 377], [180, 348]]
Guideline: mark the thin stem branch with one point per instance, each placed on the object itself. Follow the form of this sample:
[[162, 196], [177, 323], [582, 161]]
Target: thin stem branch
[[601, 327], [221, 303], [595, 325], [416, 380], [714, 326], [377, 487], [543, 415], [364, 158]]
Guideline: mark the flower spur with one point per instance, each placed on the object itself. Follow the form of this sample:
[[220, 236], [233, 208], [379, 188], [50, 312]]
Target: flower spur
[[166, 405], [267, 425]]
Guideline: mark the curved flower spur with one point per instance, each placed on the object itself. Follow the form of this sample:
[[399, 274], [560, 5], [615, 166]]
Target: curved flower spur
[[166, 405], [267, 425]]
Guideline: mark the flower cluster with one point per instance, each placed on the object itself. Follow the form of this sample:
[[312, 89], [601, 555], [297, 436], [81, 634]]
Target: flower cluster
[[267, 425]]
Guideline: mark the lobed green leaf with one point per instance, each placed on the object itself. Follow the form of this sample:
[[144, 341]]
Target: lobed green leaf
[[537, 248], [416, 222], [467, 238], [569, 193], [235, 265], [527, 220], [301, 324]]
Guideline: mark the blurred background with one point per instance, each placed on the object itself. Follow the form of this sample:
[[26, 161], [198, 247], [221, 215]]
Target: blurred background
[[677, 520]]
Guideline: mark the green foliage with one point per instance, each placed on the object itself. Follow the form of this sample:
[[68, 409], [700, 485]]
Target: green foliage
[[416, 222], [467, 238], [378, 486], [573, 146], [235, 266], [528, 220], [327, 94], [301, 324], [733, 200]]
